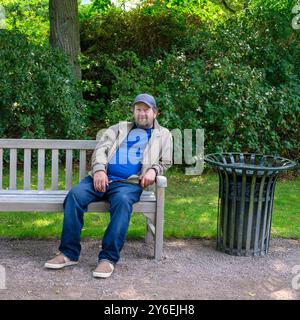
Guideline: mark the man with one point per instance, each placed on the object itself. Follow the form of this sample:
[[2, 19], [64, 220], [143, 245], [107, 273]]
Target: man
[[127, 159]]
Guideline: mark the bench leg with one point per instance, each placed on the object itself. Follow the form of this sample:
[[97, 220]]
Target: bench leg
[[149, 235], [159, 224]]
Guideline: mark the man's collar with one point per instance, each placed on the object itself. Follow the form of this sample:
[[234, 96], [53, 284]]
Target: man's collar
[[156, 125]]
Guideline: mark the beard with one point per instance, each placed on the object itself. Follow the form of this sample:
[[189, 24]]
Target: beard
[[143, 123]]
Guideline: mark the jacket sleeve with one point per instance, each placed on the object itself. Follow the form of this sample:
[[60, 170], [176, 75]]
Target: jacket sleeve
[[100, 154], [166, 158]]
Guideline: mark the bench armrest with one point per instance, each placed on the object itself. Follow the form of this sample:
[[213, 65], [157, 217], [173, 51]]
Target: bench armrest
[[161, 182]]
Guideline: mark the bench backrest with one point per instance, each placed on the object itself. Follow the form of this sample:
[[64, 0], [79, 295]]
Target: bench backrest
[[41, 145]]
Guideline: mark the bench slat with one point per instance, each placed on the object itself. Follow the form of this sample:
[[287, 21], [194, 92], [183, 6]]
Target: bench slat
[[27, 168], [82, 164], [19, 192], [102, 206], [148, 196], [45, 204], [47, 144], [41, 169], [54, 170], [1, 168], [13, 169], [69, 159]]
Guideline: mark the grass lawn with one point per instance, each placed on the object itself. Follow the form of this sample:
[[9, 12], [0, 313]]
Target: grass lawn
[[190, 211]]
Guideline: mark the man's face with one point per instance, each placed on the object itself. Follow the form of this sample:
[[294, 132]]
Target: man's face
[[143, 115]]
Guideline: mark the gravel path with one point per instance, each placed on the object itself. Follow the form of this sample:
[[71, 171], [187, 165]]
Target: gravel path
[[191, 269]]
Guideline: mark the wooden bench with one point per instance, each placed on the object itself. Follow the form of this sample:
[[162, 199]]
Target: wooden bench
[[151, 203]]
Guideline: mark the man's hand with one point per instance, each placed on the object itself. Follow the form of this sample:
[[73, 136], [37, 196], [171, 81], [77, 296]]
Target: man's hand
[[148, 178], [100, 181]]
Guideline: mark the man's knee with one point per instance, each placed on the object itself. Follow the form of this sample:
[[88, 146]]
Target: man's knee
[[73, 193], [125, 199], [122, 197]]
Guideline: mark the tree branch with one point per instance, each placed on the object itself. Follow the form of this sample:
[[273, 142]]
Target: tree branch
[[227, 6]]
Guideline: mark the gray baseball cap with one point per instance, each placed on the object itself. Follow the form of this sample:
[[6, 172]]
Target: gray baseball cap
[[147, 99]]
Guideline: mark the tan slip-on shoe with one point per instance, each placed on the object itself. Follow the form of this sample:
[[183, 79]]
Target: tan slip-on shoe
[[60, 261], [104, 269]]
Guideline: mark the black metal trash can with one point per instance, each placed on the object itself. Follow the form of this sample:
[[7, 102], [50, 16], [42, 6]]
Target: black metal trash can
[[246, 194]]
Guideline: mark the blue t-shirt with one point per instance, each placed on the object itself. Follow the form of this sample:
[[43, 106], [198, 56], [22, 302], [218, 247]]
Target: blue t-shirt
[[127, 160]]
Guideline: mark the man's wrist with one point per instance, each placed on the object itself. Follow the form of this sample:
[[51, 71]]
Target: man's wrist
[[100, 171], [98, 167]]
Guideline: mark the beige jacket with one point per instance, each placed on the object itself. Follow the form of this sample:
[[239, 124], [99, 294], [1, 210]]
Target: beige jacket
[[157, 154]]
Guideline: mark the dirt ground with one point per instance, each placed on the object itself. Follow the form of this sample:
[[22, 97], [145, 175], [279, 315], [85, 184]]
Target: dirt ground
[[191, 269]]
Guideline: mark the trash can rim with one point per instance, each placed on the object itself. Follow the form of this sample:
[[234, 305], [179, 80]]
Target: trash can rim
[[291, 164]]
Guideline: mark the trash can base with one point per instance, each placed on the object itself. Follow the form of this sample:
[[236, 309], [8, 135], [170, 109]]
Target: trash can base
[[243, 253]]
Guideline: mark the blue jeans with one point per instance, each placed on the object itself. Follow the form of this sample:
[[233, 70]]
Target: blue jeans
[[121, 197]]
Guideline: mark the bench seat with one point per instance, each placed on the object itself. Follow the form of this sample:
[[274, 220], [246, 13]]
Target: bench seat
[[52, 200]]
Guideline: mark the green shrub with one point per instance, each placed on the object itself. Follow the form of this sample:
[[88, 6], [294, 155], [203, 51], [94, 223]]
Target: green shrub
[[239, 80], [38, 96], [115, 30], [29, 17]]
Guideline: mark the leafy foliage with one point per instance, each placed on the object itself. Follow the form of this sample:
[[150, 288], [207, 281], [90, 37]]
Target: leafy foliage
[[38, 96], [239, 80], [29, 17], [230, 67]]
